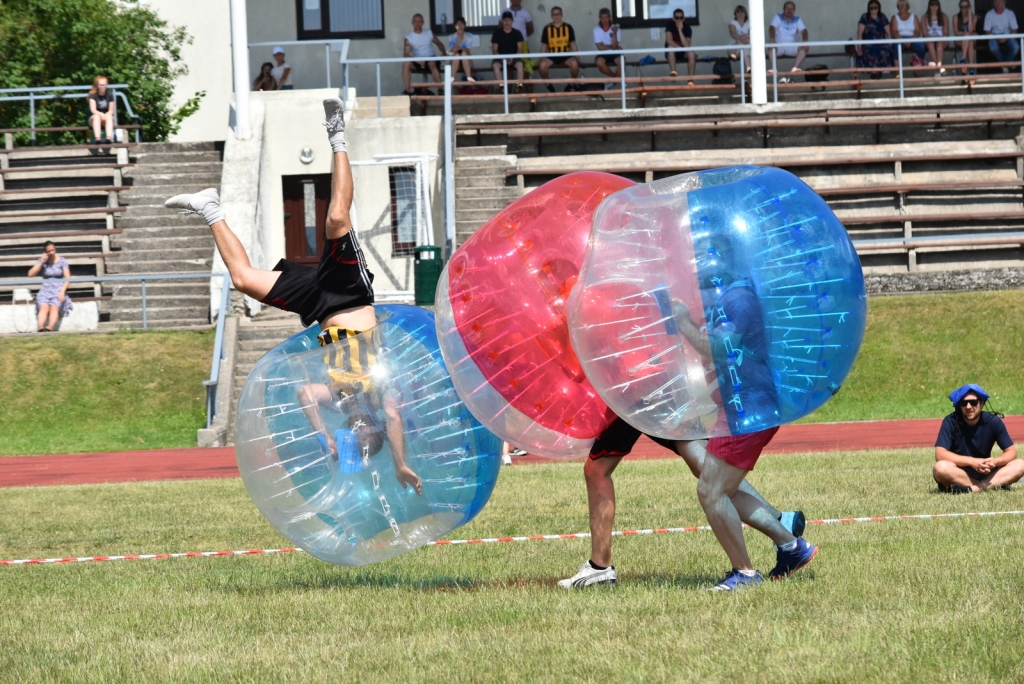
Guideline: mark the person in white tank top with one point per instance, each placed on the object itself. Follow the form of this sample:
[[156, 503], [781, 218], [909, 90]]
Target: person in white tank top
[[935, 24], [906, 25]]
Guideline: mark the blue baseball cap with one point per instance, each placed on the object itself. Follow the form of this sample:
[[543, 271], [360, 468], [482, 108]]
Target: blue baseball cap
[[956, 395]]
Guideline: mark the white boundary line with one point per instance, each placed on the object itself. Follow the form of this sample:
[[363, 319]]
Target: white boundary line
[[492, 540]]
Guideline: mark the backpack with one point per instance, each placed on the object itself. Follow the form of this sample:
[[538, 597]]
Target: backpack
[[723, 69]]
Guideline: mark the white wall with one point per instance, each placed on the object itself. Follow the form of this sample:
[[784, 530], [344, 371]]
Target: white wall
[[208, 58]]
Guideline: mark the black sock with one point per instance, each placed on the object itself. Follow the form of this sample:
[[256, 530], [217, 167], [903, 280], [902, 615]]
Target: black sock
[[597, 567]]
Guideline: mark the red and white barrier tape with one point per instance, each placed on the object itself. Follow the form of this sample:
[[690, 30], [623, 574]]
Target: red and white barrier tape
[[495, 540]]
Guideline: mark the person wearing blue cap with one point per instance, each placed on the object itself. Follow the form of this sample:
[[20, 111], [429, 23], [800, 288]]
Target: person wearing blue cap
[[963, 450]]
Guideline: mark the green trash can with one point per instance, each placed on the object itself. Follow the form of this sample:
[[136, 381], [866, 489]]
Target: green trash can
[[426, 273]]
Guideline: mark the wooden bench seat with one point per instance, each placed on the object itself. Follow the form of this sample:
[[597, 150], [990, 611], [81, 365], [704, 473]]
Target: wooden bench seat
[[55, 169], [59, 193], [10, 216], [55, 235]]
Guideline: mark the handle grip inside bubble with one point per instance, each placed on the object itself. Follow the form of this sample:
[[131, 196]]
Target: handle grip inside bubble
[[665, 306]]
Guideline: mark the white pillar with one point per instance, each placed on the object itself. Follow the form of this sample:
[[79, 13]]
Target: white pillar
[[758, 75], [240, 58]]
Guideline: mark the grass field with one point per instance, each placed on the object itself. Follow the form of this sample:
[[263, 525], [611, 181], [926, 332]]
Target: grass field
[[72, 393], [933, 600]]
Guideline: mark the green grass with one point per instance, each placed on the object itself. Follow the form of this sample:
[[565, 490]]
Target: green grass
[[918, 348], [74, 393], [144, 390], [934, 600]]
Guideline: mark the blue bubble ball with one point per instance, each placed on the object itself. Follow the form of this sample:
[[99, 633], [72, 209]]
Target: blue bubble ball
[[372, 391]]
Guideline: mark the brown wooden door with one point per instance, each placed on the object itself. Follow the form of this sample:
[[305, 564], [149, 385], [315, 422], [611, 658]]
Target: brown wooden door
[[305, 216]]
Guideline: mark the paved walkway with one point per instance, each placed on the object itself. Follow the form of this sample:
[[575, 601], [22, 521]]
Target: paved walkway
[[201, 463]]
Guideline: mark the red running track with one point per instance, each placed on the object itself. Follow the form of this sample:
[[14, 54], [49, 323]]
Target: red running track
[[201, 463]]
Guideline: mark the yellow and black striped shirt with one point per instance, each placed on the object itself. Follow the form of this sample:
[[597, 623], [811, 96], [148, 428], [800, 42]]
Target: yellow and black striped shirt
[[558, 38], [351, 358]]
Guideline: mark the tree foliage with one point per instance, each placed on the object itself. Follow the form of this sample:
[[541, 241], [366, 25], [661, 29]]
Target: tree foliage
[[70, 42]]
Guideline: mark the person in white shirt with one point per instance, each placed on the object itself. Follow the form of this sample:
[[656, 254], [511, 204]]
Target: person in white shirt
[[606, 37], [1000, 21], [522, 20], [420, 43], [739, 31], [282, 73], [786, 27]]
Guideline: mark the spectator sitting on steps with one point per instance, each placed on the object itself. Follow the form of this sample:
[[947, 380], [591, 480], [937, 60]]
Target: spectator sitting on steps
[[559, 37], [905, 24], [678, 35], [420, 43], [459, 45], [607, 37], [787, 27], [505, 41], [101, 111], [1000, 21], [739, 32], [963, 450], [52, 301]]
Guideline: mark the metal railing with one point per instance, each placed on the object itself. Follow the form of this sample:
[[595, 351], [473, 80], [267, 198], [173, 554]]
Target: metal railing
[[772, 50], [218, 343], [62, 93]]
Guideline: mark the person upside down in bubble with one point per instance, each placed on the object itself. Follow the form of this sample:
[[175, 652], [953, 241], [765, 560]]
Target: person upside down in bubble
[[735, 341], [339, 295]]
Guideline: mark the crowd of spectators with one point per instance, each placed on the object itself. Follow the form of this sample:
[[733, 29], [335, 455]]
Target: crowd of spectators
[[785, 28]]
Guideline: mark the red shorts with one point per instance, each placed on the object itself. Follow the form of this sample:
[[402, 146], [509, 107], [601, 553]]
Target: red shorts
[[741, 451]]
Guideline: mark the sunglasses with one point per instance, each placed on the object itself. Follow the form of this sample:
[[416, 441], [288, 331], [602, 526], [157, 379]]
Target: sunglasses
[[970, 402], [678, 16]]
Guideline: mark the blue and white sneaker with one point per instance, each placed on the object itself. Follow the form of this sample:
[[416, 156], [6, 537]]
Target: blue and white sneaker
[[788, 562], [737, 580], [794, 521]]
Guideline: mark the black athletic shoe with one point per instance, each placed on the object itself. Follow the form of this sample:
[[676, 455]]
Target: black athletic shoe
[[959, 489], [551, 88]]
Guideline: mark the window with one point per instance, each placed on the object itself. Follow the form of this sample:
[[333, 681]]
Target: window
[[654, 12], [340, 19], [405, 209], [482, 16]]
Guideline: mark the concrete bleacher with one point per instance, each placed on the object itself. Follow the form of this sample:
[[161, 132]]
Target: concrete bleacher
[[103, 207], [922, 185]]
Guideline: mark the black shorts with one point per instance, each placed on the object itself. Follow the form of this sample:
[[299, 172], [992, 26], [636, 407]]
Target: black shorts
[[618, 440], [558, 60], [609, 58], [420, 67], [515, 60], [341, 281], [975, 476]]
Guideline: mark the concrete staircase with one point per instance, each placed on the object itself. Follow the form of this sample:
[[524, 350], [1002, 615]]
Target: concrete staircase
[[157, 240], [480, 187], [255, 338]]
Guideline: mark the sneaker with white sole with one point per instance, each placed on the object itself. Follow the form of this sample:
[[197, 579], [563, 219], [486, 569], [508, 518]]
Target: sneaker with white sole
[[736, 580], [788, 562], [334, 121], [588, 576], [206, 203]]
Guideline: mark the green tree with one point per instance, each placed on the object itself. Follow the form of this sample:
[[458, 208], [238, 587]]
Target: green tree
[[70, 42]]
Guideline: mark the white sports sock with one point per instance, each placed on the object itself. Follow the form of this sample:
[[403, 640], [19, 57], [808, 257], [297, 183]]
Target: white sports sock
[[791, 546], [748, 573], [337, 140], [211, 212]]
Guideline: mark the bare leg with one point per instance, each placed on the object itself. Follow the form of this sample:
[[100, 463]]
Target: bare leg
[[801, 54], [54, 316], [601, 501], [1008, 474], [947, 474], [602, 66], [94, 120], [41, 317], [252, 281], [467, 66], [109, 120], [718, 483], [407, 76], [753, 508], [671, 62], [339, 221]]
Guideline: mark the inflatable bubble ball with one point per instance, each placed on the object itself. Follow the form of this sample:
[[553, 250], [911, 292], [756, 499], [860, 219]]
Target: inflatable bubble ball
[[322, 435], [716, 303], [501, 319]]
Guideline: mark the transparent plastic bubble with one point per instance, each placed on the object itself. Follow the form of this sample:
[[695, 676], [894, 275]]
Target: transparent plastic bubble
[[716, 303], [386, 385], [501, 319]]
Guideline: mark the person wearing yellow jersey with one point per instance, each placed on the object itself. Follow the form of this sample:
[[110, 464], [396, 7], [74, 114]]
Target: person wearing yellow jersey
[[558, 37], [338, 294]]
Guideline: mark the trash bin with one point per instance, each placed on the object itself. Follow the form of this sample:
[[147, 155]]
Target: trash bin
[[426, 273]]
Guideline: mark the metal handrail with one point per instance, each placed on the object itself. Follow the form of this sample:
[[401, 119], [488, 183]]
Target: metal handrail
[[60, 94], [897, 44], [218, 343]]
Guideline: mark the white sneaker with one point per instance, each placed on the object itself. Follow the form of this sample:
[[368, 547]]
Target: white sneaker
[[506, 459], [587, 576], [334, 120], [206, 203]]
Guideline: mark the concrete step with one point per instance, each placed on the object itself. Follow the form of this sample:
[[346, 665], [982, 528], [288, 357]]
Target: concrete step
[[164, 324], [180, 179], [165, 147], [150, 210], [149, 158], [509, 192], [479, 180], [264, 336], [483, 162], [480, 204], [169, 218], [157, 169], [481, 215], [163, 242], [121, 266], [480, 151], [193, 232], [132, 290], [169, 302]]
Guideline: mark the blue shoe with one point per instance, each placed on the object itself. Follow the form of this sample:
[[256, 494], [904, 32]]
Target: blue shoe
[[794, 521], [737, 580], [788, 562]]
